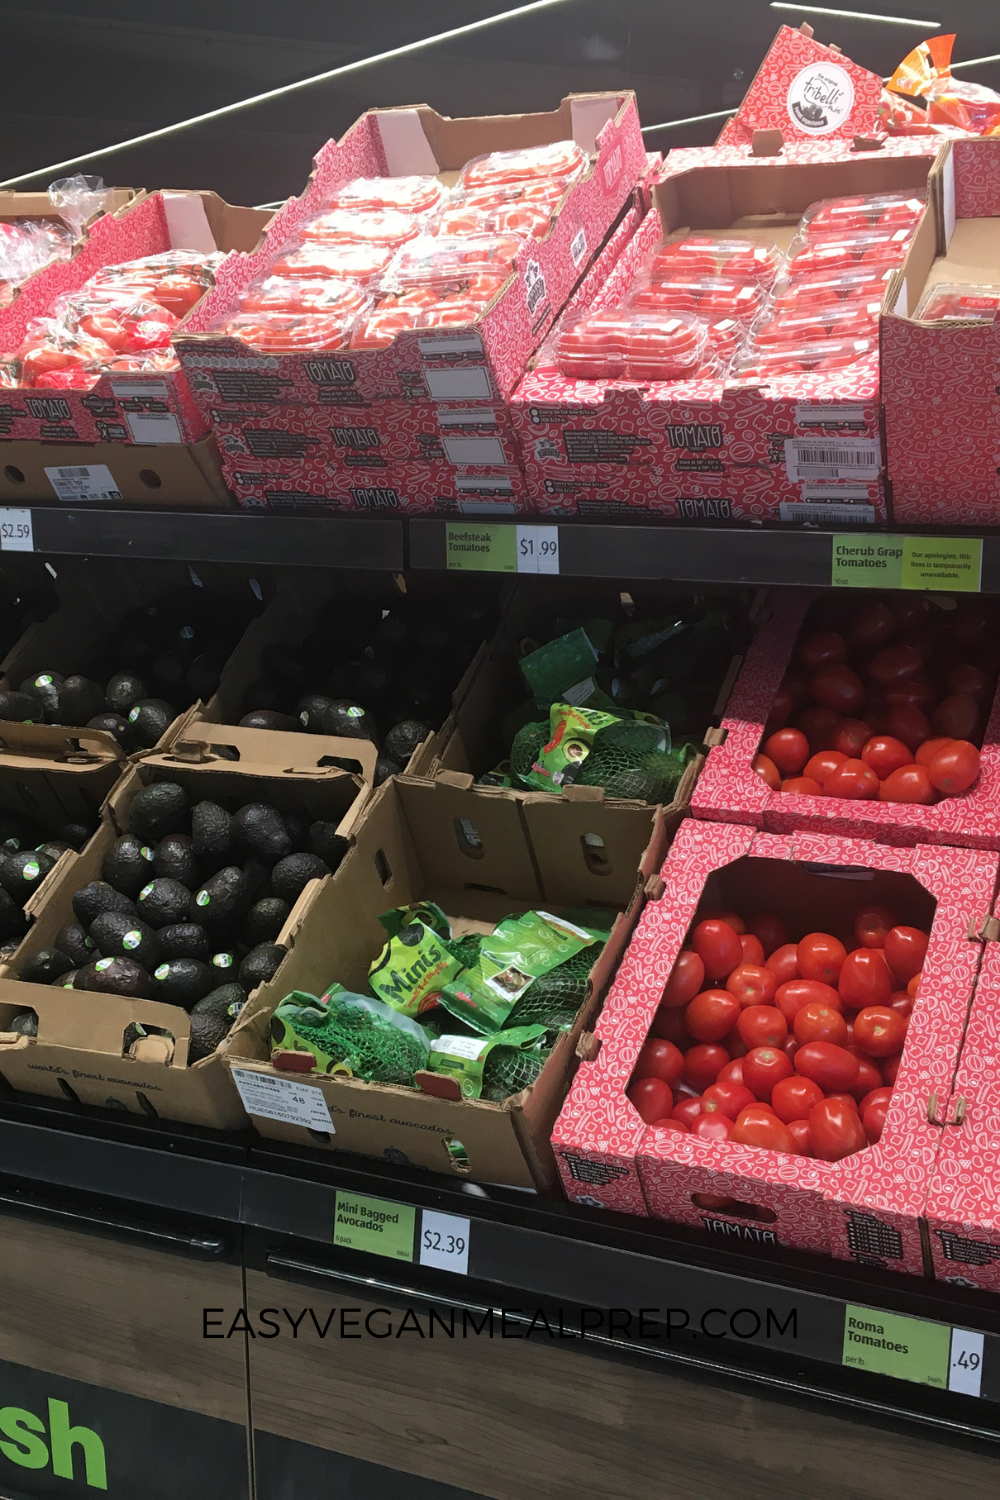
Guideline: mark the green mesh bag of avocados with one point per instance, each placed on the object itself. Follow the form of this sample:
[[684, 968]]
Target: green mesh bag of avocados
[[554, 998], [418, 960], [526, 749], [490, 1067], [350, 1035]]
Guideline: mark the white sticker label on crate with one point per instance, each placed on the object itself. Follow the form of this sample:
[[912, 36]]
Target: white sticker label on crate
[[832, 458], [444, 1242], [466, 416], [16, 533], [123, 389], [809, 415], [84, 482], [824, 514], [283, 1099], [459, 343], [578, 247], [965, 1366], [538, 549], [153, 427], [481, 451], [487, 508], [459, 385]]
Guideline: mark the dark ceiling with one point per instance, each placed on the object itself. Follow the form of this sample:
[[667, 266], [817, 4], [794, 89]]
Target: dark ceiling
[[80, 74]]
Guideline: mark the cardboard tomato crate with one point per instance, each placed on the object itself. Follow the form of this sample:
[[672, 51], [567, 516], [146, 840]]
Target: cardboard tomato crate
[[182, 476], [729, 790], [311, 486], [141, 407], [867, 1207], [481, 362], [477, 860], [939, 376], [81, 1051], [16, 207]]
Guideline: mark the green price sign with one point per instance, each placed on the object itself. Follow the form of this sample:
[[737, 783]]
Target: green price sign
[[946, 565], [887, 1344], [481, 549], [374, 1225]]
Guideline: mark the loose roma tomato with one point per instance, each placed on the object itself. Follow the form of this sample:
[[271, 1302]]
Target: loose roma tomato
[[915, 692], [895, 664], [718, 947], [793, 1098], [972, 622], [849, 737], [819, 725], [753, 948], [957, 717], [752, 984], [872, 626], [873, 1120], [890, 1068], [660, 1059], [668, 1025], [879, 1030], [687, 1112], [871, 925], [908, 784], [902, 1001], [869, 1076], [820, 956], [954, 768], [802, 786], [703, 1064], [905, 949], [726, 1097], [784, 962], [781, 710], [788, 749], [885, 755], [819, 1023], [757, 1126], [771, 930], [735, 1045], [865, 979], [875, 1096], [768, 772], [686, 979], [675, 1125], [832, 1067], [797, 993], [712, 1015], [732, 1072], [913, 986], [763, 1067], [966, 680], [824, 649], [731, 918], [713, 1127], [927, 751], [761, 1026], [838, 688], [651, 1097], [820, 765], [799, 1131], [835, 1130], [852, 779], [908, 723]]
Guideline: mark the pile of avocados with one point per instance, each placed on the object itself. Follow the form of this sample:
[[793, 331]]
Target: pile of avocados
[[162, 657], [189, 907], [380, 670], [26, 857]]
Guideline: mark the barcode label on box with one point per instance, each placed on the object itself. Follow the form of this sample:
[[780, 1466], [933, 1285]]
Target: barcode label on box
[[125, 388], [84, 482], [825, 514], [808, 415], [153, 427], [283, 1099], [832, 458]]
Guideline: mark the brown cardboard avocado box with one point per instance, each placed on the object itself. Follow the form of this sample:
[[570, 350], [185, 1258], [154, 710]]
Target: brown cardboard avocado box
[[81, 1051], [163, 476], [480, 860]]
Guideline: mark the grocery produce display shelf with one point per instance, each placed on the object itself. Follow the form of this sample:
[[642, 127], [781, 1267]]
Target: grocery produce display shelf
[[742, 1308]]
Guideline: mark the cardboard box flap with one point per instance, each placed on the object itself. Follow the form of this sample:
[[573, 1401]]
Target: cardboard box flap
[[408, 152], [81, 747], [268, 750], [478, 844], [65, 1019], [589, 115], [456, 141]]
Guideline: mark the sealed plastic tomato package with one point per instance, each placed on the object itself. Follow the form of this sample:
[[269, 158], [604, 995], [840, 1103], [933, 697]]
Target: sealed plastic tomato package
[[512, 213], [25, 246], [822, 254], [709, 296], [830, 288], [763, 362], [965, 304], [628, 344], [345, 226], [833, 216], [285, 294], [176, 279], [561, 159], [344, 262], [54, 357], [841, 320], [408, 195], [290, 333], [439, 260], [703, 255]]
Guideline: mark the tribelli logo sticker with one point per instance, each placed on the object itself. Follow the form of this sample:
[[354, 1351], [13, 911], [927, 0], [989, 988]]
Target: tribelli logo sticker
[[820, 98]]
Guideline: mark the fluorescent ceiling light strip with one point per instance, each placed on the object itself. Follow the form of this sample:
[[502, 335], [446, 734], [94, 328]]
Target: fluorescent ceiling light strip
[[854, 15], [288, 88], [973, 62], [720, 114]]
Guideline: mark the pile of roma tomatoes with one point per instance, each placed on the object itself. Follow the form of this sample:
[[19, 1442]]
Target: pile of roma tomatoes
[[884, 700], [789, 1046]]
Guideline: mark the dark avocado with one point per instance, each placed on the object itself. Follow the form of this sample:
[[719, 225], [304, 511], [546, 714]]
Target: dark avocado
[[80, 700], [384, 768], [348, 719], [116, 725], [45, 966], [268, 696], [25, 1023], [205, 673], [222, 898], [66, 981], [55, 848], [17, 832], [174, 859], [124, 691], [128, 865], [21, 708], [22, 873], [157, 810], [291, 875], [258, 878], [298, 831], [327, 844], [77, 834], [212, 834], [224, 963], [404, 738], [286, 664], [184, 940], [224, 1004], [168, 672], [45, 687], [182, 981], [164, 903], [13, 922], [115, 976], [98, 896], [260, 965], [206, 1034], [312, 709], [265, 919], [74, 941], [266, 718], [391, 635], [373, 682], [150, 719], [119, 936], [260, 831]]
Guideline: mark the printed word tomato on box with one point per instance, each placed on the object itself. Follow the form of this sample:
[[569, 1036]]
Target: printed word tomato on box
[[85, 350], [854, 715], [728, 1091], [382, 283]]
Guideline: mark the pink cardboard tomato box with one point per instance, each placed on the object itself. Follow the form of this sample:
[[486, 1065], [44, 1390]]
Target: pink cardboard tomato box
[[313, 485], [729, 791], [865, 1208], [481, 362]]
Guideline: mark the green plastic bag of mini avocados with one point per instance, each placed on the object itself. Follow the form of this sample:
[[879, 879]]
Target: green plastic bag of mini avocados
[[417, 961], [571, 738], [519, 950], [465, 1057]]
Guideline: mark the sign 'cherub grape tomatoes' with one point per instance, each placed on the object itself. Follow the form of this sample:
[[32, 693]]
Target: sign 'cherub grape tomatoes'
[[712, 1015], [686, 979], [758, 1126], [660, 1059], [832, 1067], [651, 1097], [820, 956], [718, 947], [871, 925], [879, 1030], [905, 948], [752, 984], [792, 1098], [763, 1067], [788, 749], [835, 1130], [865, 979], [770, 929]]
